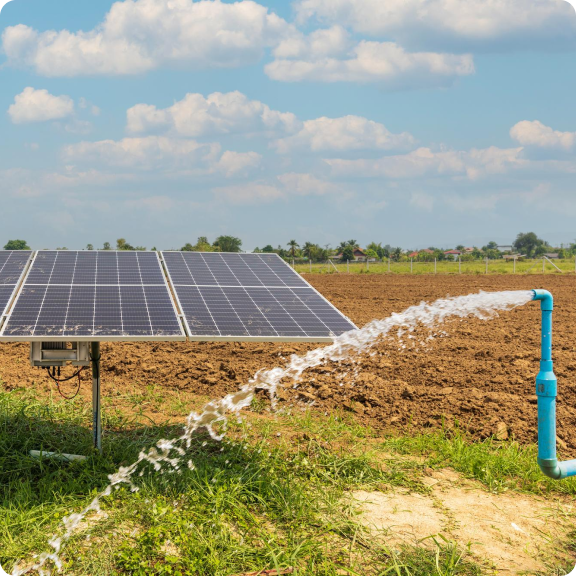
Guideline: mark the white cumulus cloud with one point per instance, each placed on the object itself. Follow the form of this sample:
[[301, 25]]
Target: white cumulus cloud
[[384, 62], [33, 105], [238, 163], [327, 42], [160, 153], [423, 162], [141, 35], [217, 113], [534, 133], [345, 133], [468, 24]]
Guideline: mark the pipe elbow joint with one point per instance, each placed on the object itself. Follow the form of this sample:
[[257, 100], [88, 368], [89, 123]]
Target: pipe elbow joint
[[557, 470], [546, 299], [550, 468]]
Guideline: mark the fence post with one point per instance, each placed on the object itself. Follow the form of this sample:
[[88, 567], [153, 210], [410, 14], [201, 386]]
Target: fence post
[[514, 265], [486, 264], [292, 262], [367, 264], [347, 266], [434, 265], [410, 265], [389, 264], [310, 262], [543, 264], [459, 265]]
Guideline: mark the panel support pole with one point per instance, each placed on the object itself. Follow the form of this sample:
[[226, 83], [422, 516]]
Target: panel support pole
[[96, 409]]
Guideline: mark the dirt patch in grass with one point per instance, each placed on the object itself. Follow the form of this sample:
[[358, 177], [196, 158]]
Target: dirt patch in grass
[[514, 533], [479, 375]]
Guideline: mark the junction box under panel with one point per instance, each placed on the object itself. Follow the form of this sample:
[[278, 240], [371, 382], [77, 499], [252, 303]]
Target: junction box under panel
[[47, 354]]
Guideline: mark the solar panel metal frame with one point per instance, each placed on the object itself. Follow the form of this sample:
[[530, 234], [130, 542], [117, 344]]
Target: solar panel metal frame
[[94, 338], [211, 338], [17, 285]]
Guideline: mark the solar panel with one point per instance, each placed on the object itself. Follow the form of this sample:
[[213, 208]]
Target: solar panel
[[228, 296], [96, 296], [12, 266]]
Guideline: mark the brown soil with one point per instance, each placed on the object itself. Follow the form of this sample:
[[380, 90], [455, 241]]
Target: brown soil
[[480, 374]]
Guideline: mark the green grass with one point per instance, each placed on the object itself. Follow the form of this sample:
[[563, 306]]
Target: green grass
[[498, 465], [444, 267], [273, 495]]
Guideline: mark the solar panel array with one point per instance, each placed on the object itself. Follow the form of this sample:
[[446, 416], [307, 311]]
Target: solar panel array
[[124, 295], [228, 296], [95, 295], [12, 266]]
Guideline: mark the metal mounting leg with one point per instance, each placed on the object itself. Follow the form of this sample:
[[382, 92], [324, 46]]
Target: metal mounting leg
[[96, 413]]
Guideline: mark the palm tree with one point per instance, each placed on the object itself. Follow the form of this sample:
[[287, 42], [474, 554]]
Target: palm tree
[[293, 245], [309, 249], [352, 243]]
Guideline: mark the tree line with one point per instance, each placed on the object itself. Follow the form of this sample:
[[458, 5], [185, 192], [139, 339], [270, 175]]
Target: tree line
[[527, 244], [221, 244]]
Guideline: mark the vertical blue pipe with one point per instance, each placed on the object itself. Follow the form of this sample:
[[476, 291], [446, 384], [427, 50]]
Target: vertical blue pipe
[[546, 390]]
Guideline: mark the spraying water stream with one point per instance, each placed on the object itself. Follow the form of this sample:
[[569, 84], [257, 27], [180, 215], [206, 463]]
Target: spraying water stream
[[170, 453]]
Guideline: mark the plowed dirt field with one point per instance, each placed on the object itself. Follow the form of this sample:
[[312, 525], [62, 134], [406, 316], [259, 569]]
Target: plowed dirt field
[[479, 374]]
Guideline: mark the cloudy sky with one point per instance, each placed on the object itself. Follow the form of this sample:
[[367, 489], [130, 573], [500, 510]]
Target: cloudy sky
[[407, 122]]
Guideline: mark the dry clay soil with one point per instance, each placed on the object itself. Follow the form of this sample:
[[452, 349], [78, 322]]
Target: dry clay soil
[[478, 375]]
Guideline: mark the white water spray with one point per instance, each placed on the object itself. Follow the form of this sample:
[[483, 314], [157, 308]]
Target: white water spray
[[483, 305]]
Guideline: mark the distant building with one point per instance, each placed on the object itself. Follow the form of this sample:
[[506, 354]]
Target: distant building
[[359, 255], [454, 254], [418, 252], [552, 255]]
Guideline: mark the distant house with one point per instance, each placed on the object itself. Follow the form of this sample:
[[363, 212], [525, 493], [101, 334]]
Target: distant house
[[468, 250], [454, 254], [359, 255], [418, 252]]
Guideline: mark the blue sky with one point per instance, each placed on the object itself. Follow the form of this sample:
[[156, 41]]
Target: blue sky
[[406, 122]]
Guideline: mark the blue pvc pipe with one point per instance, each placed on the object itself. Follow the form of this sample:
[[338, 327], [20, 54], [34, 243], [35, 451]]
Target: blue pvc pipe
[[546, 389]]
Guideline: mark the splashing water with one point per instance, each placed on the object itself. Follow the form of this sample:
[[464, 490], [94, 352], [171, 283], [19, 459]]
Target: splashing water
[[170, 453]]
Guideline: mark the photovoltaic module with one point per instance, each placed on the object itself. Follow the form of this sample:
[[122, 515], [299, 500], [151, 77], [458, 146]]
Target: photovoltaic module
[[230, 296], [94, 295], [12, 266], [128, 295]]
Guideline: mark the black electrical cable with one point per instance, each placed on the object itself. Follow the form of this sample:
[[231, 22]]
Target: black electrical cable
[[96, 365], [59, 381]]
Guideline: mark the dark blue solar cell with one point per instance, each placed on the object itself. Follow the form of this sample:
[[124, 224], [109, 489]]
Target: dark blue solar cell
[[116, 294], [24, 316], [249, 295], [5, 296], [12, 266]]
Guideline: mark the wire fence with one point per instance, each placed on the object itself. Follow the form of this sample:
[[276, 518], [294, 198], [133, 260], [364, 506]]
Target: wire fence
[[483, 266]]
